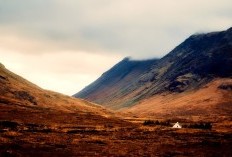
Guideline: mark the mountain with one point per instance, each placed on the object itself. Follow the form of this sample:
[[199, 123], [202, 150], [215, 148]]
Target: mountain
[[116, 82], [197, 62]]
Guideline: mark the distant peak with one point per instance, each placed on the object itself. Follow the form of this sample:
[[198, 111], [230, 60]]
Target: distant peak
[[127, 59], [229, 30], [131, 59], [198, 34]]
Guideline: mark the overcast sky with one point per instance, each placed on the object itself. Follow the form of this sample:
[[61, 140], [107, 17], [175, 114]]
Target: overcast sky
[[63, 45]]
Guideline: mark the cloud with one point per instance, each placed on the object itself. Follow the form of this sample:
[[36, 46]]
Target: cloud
[[138, 28], [67, 35]]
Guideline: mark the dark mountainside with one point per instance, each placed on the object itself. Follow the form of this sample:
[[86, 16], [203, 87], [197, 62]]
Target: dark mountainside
[[113, 82], [192, 64]]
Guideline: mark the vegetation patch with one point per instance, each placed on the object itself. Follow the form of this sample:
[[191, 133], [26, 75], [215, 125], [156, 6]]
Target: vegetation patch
[[200, 125], [8, 125], [23, 95], [163, 123], [225, 86]]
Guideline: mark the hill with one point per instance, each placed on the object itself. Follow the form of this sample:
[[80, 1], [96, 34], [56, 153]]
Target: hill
[[211, 101], [37, 122], [15, 91]]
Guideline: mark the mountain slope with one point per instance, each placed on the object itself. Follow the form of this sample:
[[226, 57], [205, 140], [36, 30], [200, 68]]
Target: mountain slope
[[18, 92], [210, 101], [112, 84], [194, 63]]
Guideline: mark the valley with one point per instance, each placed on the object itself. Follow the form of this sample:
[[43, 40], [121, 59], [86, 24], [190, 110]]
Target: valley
[[130, 110], [36, 122]]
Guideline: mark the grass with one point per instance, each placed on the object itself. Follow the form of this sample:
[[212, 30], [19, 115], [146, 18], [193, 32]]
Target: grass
[[92, 135]]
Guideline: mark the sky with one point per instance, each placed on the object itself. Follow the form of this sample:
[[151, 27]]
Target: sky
[[64, 45]]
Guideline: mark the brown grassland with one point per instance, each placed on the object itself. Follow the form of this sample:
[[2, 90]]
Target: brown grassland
[[41, 132]]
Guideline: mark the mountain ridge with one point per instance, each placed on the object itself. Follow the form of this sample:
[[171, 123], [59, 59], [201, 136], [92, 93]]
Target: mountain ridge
[[195, 62]]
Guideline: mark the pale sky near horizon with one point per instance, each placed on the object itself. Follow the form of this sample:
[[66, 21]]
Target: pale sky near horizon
[[65, 45]]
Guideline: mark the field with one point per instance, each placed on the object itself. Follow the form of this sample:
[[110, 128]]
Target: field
[[41, 132]]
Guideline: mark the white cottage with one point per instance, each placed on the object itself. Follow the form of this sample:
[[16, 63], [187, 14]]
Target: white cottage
[[177, 125]]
